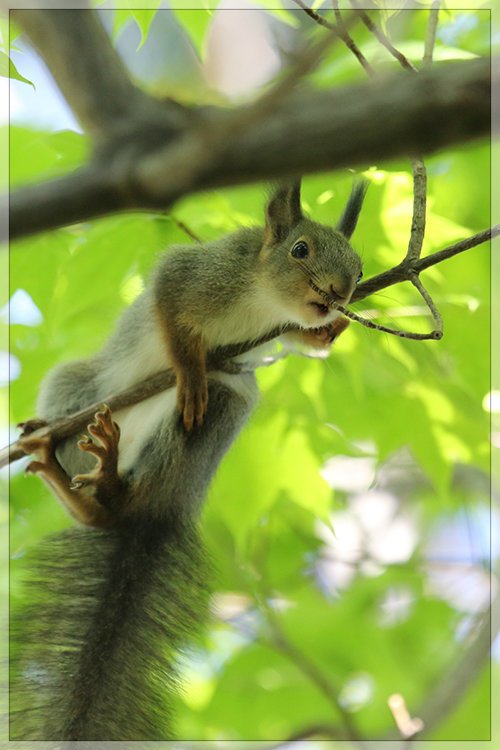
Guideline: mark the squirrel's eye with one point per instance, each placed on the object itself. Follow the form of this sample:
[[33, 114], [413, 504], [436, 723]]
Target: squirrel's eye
[[359, 277], [300, 249]]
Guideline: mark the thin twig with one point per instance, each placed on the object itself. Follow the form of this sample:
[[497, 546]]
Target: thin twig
[[349, 41], [400, 272], [438, 320], [419, 209], [185, 228], [316, 17], [430, 34], [339, 29], [434, 335], [383, 39], [458, 247], [324, 684]]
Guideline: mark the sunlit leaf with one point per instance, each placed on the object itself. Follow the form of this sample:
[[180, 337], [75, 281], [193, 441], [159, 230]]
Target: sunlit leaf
[[195, 23], [9, 70], [143, 19]]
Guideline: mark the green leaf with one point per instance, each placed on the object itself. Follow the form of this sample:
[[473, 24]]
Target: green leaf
[[143, 19], [36, 154], [142, 16], [121, 16], [195, 23], [9, 32], [9, 70]]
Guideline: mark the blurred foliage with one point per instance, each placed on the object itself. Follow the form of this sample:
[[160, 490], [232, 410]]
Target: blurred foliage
[[412, 409]]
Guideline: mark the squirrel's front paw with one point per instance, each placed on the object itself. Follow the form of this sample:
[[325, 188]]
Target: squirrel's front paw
[[323, 337], [192, 399]]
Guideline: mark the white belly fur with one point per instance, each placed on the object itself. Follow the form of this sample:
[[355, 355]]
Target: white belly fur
[[139, 422]]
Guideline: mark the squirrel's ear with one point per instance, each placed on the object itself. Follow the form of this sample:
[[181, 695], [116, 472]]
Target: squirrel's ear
[[349, 219], [283, 212]]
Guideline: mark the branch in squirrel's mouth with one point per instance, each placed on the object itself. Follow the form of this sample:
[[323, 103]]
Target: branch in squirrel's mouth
[[435, 334]]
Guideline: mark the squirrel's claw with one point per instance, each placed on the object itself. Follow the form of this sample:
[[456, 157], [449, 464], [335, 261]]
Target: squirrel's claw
[[192, 401], [34, 467], [42, 448], [104, 447], [30, 426]]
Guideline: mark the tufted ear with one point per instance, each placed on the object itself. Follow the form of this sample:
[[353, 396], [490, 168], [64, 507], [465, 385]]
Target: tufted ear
[[349, 219], [283, 212]]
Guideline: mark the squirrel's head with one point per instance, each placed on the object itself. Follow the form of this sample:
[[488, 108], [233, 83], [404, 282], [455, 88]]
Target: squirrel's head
[[308, 264]]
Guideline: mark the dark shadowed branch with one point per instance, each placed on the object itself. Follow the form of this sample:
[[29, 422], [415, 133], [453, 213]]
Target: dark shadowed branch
[[149, 152]]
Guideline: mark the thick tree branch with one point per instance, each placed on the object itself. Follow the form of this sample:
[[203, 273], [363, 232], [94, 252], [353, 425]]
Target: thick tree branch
[[92, 77], [310, 131]]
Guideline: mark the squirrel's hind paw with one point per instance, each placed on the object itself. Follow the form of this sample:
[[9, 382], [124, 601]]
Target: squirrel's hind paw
[[42, 449], [30, 426], [104, 446]]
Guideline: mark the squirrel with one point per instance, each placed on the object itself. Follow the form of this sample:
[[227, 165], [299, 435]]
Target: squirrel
[[116, 597]]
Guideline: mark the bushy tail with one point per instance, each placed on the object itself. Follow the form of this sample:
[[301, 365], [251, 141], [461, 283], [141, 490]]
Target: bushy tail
[[93, 654]]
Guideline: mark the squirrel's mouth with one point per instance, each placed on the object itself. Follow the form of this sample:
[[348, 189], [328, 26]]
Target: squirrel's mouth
[[319, 308]]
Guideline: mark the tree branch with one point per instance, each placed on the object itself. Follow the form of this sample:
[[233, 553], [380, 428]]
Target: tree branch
[[452, 686], [349, 41], [218, 359], [430, 33], [438, 320], [419, 209], [400, 272], [92, 77], [339, 29], [324, 683], [310, 131], [383, 39]]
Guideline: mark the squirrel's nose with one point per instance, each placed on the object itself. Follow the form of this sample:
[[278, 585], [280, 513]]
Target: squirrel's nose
[[341, 291]]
